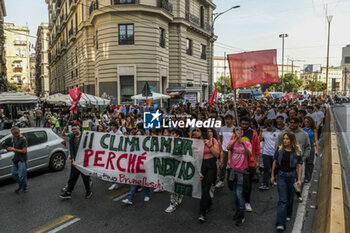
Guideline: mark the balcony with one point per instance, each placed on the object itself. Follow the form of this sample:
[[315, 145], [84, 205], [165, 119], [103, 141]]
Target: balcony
[[18, 69], [50, 8], [165, 5], [50, 26], [54, 17], [72, 4], [72, 34], [58, 6], [63, 45], [93, 6], [192, 18], [58, 29], [20, 42], [122, 2]]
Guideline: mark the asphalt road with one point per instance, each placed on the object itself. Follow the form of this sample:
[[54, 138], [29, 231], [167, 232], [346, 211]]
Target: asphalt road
[[41, 209]]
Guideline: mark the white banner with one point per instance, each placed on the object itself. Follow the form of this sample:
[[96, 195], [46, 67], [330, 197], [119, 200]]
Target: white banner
[[168, 163]]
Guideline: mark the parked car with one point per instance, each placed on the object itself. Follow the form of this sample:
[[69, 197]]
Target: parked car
[[247, 94], [45, 149]]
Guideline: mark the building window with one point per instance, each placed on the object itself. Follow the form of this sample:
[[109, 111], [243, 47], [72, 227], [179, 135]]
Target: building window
[[347, 60], [126, 34], [201, 17], [72, 74], [126, 88], [76, 72], [116, 2], [203, 52], [76, 55], [162, 38], [96, 39], [189, 47]]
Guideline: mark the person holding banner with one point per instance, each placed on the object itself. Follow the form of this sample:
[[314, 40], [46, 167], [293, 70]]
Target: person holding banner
[[175, 198], [209, 169], [133, 188], [240, 154], [74, 172]]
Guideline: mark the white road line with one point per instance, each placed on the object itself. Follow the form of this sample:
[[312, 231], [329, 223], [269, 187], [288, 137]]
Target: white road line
[[120, 197], [301, 212], [57, 229]]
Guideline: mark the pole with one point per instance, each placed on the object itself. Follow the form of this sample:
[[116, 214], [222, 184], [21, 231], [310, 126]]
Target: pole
[[345, 71], [224, 81], [235, 106], [282, 60], [329, 19]]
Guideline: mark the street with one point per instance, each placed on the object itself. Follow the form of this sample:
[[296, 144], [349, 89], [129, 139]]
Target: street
[[41, 208]]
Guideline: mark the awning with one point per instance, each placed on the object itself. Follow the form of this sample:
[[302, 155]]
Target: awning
[[86, 99], [17, 98], [155, 96], [175, 93]]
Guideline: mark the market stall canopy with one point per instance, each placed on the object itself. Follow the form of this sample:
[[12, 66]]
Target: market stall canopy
[[155, 96], [86, 99], [17, 98]]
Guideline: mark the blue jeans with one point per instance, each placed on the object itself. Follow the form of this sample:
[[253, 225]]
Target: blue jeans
[[267, 160], [239, 195], [285, 181], [2, 124], [133, 190], [19, 174]]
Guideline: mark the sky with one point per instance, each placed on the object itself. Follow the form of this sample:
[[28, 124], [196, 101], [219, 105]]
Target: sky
[[256, 25]]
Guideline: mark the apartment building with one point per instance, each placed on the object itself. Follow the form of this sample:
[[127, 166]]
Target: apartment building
[[17, 56], [3, 79], [114, 46], [42, 61]]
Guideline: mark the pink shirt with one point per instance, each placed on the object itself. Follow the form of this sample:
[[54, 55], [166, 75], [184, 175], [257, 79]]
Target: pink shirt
[[207, 153], [238, 157]]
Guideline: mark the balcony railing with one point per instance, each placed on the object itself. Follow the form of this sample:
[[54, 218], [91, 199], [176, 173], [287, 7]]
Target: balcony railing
[[50, 8], [72, 3], [120, 2], [93, 6], [195, 20], [58, 5], [165, 5], [20, 42]]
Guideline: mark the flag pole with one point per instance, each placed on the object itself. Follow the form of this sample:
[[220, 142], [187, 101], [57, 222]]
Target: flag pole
[[235, 106]]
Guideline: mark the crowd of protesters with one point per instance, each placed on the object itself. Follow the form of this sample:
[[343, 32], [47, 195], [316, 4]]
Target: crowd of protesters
[[273, 142]]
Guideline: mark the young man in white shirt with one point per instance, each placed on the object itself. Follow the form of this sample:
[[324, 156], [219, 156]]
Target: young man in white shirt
[[269, 135], [225, 135]]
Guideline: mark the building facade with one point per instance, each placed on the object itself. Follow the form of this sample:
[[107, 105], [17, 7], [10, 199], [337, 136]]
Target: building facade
[[220, 68], [113, 47], [42, 61], [346, 56], [17, 56], [3, 79], [32, 61]]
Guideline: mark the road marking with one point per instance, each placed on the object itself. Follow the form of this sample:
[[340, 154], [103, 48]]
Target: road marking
[[52, 224], [119, 192], [57, 229], [301, 211], [121, 197]]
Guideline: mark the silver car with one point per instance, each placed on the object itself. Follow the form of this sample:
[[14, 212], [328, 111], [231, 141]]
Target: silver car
[[45, 149]]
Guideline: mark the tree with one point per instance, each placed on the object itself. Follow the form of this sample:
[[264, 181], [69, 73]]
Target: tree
[[291, 83], [12, 87], [317, 85], [219, 86]]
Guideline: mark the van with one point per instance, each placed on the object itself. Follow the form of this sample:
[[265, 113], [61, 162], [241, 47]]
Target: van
[[247, 94]]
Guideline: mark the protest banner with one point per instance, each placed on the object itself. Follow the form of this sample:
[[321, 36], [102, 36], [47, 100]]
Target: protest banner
[[168, 163]]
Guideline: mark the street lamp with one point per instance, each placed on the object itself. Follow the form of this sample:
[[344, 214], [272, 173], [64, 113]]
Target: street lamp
[[329, 19], [216, 15], [283, 36]]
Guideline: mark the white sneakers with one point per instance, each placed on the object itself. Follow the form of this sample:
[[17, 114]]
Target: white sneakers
[[158, 190], [127, 202], [147, 199], [113, 186], [171, 208], [220, 184], [248, 207], [211, 194], [288, 219]]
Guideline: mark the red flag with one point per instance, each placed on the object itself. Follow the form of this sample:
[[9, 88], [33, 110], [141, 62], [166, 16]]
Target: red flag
[[75, 94], [251, 68], [241, 98], [213, 96]]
